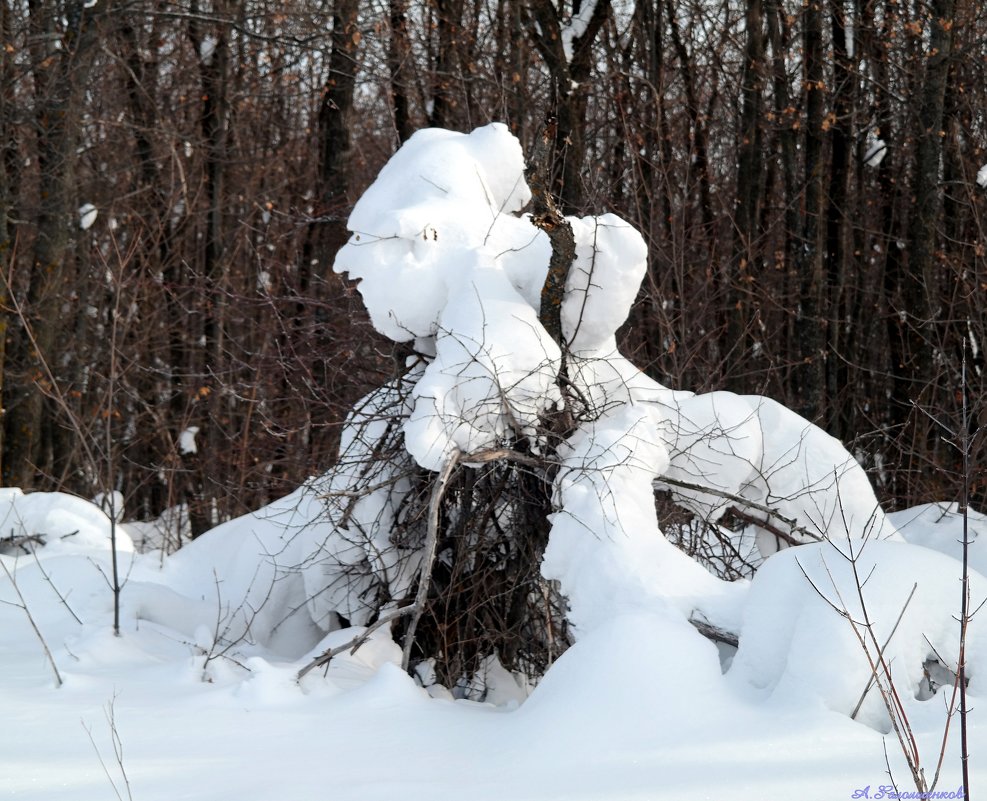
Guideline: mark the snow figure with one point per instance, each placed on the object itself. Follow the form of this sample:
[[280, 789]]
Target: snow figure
[[502, 451]]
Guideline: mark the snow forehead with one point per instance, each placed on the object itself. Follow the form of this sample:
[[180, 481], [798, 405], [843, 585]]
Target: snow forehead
[[438, 172]]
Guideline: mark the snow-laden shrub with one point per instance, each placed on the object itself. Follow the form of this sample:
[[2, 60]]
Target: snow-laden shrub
[[543, 526]]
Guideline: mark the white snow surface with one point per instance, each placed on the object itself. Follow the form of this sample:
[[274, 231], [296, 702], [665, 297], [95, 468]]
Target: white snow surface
[[794, 637], [199, 694], [637, 709]]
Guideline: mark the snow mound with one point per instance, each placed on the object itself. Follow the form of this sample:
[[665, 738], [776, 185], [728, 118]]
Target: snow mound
[[939, 526], [61, 522], [611, 260], [754, 448], [797, 644], [605, 548], [493, 375]]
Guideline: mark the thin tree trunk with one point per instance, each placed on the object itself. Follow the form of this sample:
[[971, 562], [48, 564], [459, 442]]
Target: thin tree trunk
[[812, 337], [750, 179], [837, 285], [6, 198], [570, 76], [447, 67], [399, 65], [700, 145], [335, 150], [917, 379]]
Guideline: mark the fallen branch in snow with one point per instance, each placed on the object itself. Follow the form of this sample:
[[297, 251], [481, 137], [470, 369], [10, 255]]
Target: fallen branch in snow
[[326, 656], [493, 454], [22, 541], [746, 502], [30, 617], [714, 633], [743, 517]]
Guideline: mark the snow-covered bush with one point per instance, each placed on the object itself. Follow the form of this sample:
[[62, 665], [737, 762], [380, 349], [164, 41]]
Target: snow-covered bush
[[547, 527]]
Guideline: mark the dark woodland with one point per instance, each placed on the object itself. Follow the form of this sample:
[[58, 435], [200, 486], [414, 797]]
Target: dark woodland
[[805, 174]]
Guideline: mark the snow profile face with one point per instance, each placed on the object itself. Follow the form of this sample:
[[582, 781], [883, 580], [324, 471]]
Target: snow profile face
[[443, 259], [441, 197]]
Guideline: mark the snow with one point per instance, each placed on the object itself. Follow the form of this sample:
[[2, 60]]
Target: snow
[[207, 47], [637, 708], [875, 151], [87, 216], [793, 634], [939, 526], [982, 177], [186, 441], [200, 695], [493, 372], [443, 197], [611, 259]]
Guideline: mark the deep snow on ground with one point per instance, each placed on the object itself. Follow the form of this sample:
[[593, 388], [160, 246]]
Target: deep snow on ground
[[637, 709]]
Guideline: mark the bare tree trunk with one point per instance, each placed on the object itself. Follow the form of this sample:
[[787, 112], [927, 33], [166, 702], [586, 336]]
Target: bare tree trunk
[[917, 312], [750, 179], [400, 66], [700, 144], [6, 200], [840, 133], [334, 132], [212, 46], [449, 22], [812, 337], [570, 73], [60, 65]]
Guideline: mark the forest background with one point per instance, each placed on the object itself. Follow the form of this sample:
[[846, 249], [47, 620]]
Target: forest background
[[175, 180]]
